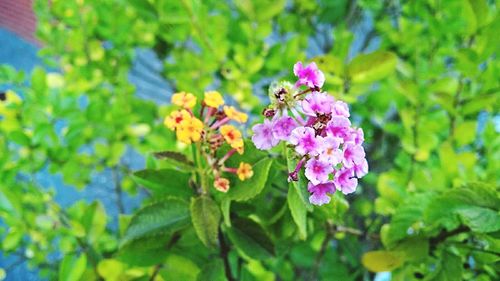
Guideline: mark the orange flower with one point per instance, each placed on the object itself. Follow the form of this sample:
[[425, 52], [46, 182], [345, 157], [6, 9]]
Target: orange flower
[[232, 137], [221, 184], [175, 118], [186, 100], [244, 171], [235, 115]]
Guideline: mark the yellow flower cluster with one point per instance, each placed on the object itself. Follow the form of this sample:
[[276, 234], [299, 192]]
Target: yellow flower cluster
[[212, 132]]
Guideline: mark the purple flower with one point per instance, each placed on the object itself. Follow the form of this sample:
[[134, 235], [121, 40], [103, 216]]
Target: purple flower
[[357, 136], [305, 140], [338, 126], [353, 154], [330, 151], [310, 75], [317, 103], [345, 180], [283, 127], [361, 169], [317, 171], [263, 135], [340, 108], [320, 193]]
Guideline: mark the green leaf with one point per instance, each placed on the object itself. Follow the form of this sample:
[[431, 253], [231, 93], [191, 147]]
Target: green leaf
[[158, 219], [368, 68], [165, 182], [94, 221], [299, 212], [465, 132], [179, 268], [12, 239], [110, 269], [408, 216], [301, 185], [250, 239], [414, 249], [205, 215], [226, 211], [212, 271], [245, 190], [380, 261], [175, 158], [450, 268], [20, 137], [38, 81], [480, 219], [72, 267]]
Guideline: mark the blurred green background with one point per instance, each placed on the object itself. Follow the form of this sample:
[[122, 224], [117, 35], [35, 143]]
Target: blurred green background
[[422, 78]]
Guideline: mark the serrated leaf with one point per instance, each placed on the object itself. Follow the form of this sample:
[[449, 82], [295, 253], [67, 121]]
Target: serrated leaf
[[175, 158], [158, 219], [205, 216], [245, 190], [298, 211], [368, 68], [165, 182], [250, 239], [381, 261]]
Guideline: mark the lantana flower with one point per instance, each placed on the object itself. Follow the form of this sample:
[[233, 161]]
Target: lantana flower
[[318, 129], [210, 129], [183, 99]]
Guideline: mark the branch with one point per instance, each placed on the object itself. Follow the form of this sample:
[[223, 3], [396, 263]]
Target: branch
[[224, 254], [443, 235]]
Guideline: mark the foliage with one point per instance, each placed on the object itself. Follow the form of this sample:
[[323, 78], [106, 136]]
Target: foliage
[[423, 84]]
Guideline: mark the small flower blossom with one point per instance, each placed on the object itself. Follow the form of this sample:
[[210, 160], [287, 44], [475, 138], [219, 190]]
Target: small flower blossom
[[283, 127], [361, 169], [338, 126], [183, 99], [232, 136], [330, 151], [244, 171], [318, 171], [175, 118], [353, 154], [319, 193], [221, 184], [213, 99], [318, 130], [345, 180], [305, 140], [317, 103], [190, 130], [310, 75], [235, 115], [263, 135], [340, 108]]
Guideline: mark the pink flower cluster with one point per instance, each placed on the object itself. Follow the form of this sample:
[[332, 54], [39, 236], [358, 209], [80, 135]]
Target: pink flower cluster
[[318, 128]]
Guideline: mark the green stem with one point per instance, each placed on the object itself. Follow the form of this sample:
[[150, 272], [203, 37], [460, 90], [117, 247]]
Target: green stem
[[201, 175]]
